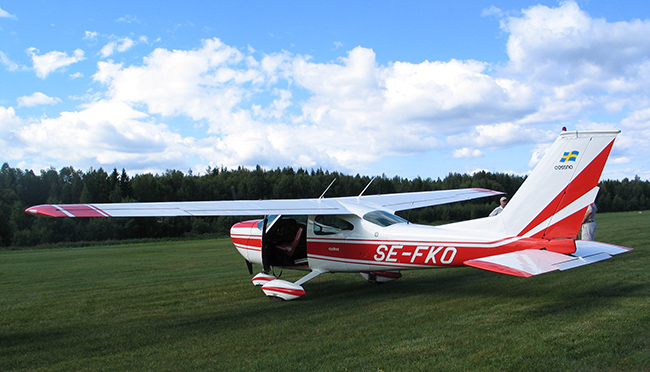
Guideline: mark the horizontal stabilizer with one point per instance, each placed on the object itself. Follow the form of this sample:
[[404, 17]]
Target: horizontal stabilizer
[[531, 262], [524, 263], [586, 248]]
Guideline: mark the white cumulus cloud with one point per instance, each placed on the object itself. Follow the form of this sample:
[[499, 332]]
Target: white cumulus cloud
[[90, 35], [104, 132], [44, 64], [36, 99], [204, 84], [6, 14], [121, 45], [10, 146], [578, 63], [9, 64], [501, 135], [466, 152], [221, 105]]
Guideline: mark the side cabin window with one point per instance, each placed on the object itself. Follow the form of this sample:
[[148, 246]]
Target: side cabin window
[[328, 225], [383, 218]]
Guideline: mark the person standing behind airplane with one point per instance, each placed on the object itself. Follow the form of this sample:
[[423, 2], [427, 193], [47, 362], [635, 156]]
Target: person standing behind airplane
[[589, 222], [498, 209]]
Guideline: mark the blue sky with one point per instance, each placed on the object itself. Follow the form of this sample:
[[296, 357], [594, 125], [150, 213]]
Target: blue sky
[[415, 88]]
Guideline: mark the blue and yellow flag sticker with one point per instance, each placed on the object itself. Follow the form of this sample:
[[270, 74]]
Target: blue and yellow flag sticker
[[569, 156]]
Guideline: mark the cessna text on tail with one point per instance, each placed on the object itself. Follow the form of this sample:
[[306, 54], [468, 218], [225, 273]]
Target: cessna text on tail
[[536, 232]]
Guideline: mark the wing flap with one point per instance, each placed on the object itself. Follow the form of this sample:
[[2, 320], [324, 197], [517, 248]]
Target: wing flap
[[412, 200]]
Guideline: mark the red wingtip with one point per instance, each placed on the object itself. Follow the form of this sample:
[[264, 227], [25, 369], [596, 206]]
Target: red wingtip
[[45, 210], [67, 210]]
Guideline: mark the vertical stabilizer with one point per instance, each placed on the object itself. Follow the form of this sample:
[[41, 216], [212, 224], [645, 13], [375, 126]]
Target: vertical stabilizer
[[552, 201]]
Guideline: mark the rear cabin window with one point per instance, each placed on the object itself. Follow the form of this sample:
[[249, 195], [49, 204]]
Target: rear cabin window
[[327, 225], [383, 218]]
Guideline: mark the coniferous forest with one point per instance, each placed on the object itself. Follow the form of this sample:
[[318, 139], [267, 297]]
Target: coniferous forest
[[20, 189]]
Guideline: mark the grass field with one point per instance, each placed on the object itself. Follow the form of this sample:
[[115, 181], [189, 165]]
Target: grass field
[[191, 306]]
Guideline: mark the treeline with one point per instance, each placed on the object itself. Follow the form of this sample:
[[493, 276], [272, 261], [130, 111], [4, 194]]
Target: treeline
[[20, 189]]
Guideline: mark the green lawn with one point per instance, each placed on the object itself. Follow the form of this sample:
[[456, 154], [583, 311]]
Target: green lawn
[[191, 306]]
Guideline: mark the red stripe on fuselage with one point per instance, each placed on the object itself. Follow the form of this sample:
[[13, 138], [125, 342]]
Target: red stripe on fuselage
[[414, 254]]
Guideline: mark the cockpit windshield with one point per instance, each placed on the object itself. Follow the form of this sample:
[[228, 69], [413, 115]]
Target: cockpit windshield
[[383, 218], [269, 222]]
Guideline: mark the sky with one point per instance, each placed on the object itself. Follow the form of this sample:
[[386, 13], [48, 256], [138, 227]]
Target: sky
[[395, 88]]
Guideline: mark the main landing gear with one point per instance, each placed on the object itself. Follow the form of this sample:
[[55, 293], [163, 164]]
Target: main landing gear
[[378, 277]]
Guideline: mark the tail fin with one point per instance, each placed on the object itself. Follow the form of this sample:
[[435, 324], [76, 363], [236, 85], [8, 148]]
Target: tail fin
[[552, 201]]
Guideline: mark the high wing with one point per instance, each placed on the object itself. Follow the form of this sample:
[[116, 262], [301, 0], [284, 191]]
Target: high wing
[[531, 262], [324, 206]]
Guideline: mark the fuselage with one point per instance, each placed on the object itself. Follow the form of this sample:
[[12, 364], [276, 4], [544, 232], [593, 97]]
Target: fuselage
[[349, 243]]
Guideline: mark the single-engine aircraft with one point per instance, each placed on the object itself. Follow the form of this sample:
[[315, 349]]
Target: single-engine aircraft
[[534, 234]]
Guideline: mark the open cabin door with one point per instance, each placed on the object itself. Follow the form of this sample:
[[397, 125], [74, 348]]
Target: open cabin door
[[284, 242]]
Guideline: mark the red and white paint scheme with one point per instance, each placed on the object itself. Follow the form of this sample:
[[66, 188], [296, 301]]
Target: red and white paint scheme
[[534, 234]]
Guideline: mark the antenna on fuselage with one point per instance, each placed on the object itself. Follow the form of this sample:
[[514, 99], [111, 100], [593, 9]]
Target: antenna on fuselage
[[365, 188], [328, 187]]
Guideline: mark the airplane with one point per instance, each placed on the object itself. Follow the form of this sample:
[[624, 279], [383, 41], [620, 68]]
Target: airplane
[[535, 233]]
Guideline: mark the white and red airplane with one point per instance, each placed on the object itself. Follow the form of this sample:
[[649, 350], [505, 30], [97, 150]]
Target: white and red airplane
[[534, 234]]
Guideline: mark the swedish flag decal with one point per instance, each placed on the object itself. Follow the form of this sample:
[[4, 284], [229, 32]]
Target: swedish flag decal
[[569, 156]]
